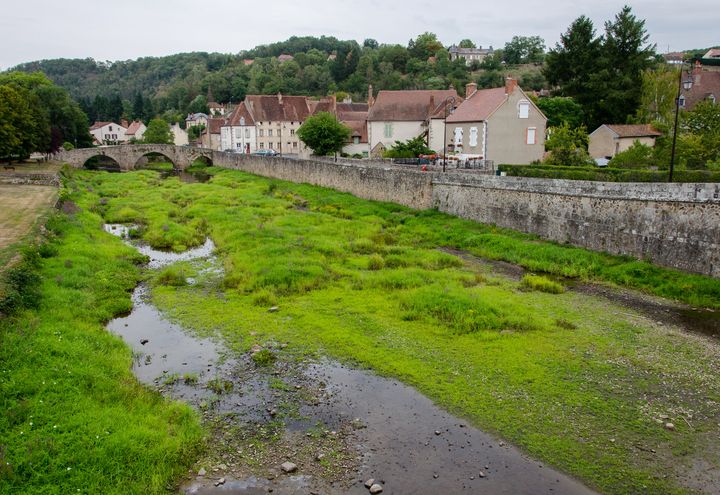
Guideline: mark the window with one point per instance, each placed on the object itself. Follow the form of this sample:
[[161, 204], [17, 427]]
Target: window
[[530, 136], [388, 130], [107, 136], [524, 109], [295, 144], [269, 132], [712, 99], [681, 101], [261, 133], [458, 136], [356, 140], [262, 146], [238, 145], [473, 136], [292, 132], [247, 133], [237, 133], [110, 128]]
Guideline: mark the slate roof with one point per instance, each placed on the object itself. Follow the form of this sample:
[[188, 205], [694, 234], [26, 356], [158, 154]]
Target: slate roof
[[407, 106], [633, 130], [265, 108], [479, 106]]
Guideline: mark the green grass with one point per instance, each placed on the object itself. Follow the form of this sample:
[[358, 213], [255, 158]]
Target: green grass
[[574, 380], [73, 416], [543, 284]]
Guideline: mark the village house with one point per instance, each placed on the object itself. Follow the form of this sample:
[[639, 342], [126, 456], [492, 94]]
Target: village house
[[470, 54], [498, 124], [135, 131], [238, 132], [609, 139], [180, 135], [194, 119], [352, 115], [107, 133], [403, 115], [210, 136], [277, 119], [706, 87]]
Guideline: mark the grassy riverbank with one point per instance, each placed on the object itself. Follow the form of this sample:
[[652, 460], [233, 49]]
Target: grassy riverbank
[[575, 380], [74, 418]]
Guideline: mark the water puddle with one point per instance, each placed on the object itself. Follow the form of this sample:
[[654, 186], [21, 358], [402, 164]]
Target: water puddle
[[386, 430]]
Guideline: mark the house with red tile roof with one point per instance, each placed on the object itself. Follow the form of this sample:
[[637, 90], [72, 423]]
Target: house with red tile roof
[[210, 136], [498, 124], [610, 139], [402, 115], [706, 87], [107, 133], [136, 130], [238, 131]]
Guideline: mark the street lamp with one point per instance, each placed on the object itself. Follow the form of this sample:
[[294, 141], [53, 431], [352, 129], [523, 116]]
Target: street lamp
[[451, 100], [686, 85]]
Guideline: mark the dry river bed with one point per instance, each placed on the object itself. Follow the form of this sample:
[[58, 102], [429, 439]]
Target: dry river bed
[[299, 427]]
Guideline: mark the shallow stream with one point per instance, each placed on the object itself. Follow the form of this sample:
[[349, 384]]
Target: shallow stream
[[398, 436]]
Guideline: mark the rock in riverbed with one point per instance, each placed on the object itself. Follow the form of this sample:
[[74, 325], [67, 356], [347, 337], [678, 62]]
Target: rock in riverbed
[[288, 467], [376, 488]]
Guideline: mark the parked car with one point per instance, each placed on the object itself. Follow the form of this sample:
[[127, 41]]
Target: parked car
[[266, 152]]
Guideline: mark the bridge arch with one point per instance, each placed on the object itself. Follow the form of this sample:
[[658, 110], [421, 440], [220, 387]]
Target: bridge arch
[[102, 162], [128, 155], [149, 157]]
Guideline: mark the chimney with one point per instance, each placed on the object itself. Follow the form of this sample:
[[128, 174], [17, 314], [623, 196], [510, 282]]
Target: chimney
[[696, 72], [470, 89], [371, 100], [510, 85], [279, 97]]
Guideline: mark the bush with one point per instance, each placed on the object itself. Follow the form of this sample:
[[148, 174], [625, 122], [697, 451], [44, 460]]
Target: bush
[[636, 156], [264, 357], [542, 284], [172, 276], [376, 262]]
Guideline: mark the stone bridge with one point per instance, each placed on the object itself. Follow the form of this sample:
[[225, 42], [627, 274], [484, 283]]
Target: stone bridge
[[129, 157]]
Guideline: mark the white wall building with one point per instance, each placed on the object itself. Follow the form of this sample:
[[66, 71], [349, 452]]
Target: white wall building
[[105, 133]]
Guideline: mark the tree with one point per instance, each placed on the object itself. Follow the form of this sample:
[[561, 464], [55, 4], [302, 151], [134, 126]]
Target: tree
[[424, 46], [370, 43], [657, 98], [638, 155], [573, 61], [323, 134], [158, 132], [17, 124], [625, 55], [466, 43], [195, 131], [524, 50], [412, 148], [567, 146], [561, 110]]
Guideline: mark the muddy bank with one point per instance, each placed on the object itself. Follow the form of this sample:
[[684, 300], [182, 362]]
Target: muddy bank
[[339, 426]]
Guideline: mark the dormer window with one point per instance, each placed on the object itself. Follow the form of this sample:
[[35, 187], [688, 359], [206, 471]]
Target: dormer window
[[712, 99], [524, 109], [681, 101]]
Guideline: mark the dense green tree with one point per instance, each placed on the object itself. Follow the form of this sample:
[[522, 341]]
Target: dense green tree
[[567, 146], [158, 132], [412, 148], [18, 127], [370, 43], [323, 134], [561, 110], [466, 43], [657, 99], [524, 50], [638, 155], [424, 46]]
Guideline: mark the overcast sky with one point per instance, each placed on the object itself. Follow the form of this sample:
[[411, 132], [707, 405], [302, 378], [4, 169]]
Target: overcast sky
[[128, 29]]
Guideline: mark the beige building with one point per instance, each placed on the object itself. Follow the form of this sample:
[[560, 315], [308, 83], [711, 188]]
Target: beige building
[[608, 140], [402, 115], [108, 133], [470, 54], [180, 135], [135, 131], [498, 124], [277, 119]]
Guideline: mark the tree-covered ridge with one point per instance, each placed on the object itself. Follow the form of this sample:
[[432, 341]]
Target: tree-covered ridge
[[175, 85]]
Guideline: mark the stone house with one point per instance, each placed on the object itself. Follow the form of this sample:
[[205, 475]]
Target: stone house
[[609, 139], [238, 132], [210, 136], [194, 119], [402, 115], [276, 119], [470, 54], [107, 133], [498, 124]]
